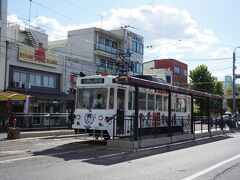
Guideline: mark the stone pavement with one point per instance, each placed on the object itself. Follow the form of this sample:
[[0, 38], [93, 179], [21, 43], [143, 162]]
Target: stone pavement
[[3, 136], [32, 134]]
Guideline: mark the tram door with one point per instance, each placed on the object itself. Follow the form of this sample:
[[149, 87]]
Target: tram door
[[120, 110]]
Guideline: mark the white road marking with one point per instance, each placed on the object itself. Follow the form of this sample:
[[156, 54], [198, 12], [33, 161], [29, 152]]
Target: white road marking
[[211, 168], [110, 155]]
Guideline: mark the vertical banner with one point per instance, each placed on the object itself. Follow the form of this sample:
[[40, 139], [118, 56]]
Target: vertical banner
[[26, 105]]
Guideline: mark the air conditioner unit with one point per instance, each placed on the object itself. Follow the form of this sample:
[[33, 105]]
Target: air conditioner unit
[[18, 84], [27, 86]]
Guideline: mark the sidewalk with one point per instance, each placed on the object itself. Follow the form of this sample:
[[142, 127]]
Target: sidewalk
[[32, 134], [3, 136]]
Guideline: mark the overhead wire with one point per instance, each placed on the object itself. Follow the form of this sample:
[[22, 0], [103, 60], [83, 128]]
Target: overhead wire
[[187, 59]]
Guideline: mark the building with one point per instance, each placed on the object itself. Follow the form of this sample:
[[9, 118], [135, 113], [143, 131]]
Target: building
[[95, 50], [132, 44], [227, 82], [164, 74], [179, 70], [34, 70], [3, 27]]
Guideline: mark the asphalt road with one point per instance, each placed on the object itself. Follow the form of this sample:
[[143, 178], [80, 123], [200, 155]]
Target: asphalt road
[[74, 158]]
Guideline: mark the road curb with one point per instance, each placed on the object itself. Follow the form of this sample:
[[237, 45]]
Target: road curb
[[153, 142]]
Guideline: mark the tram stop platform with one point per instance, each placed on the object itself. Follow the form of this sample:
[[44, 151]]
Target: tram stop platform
[[147, 142]]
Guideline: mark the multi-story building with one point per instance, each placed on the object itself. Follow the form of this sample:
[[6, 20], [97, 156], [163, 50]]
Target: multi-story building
[[164, 74], [133, 44], [179, 70], [3, 27], [34, 70], [94, 51], [227, 82]]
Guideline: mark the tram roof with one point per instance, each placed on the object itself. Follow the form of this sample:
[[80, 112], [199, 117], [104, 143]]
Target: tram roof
[[128, 80]]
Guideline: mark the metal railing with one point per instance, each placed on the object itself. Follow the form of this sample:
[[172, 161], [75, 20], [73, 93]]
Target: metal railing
[[153, 126], [41, 121]]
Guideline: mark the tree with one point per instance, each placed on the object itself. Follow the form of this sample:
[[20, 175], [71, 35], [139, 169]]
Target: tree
[[202, 80], [229, 102]]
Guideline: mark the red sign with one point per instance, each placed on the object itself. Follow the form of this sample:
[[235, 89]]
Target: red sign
[[73, 79], [40, 55]]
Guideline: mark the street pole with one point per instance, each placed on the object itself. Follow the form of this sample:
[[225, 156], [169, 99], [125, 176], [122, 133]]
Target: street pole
[[234, 85]]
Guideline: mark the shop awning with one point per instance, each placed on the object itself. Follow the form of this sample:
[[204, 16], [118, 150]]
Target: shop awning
[[10, 95]]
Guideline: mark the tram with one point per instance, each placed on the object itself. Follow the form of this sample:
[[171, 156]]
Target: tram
[[102, 107]]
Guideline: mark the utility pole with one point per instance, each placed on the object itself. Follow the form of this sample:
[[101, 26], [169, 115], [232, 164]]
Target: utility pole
[[234, 85]]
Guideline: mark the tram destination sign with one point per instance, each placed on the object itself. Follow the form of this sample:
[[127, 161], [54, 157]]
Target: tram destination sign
[[92, 81]]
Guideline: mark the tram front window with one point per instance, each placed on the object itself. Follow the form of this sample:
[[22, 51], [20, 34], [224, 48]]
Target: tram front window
[[92, 98]]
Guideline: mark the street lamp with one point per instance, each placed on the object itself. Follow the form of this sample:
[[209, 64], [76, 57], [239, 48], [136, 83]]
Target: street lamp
[[234, 85]]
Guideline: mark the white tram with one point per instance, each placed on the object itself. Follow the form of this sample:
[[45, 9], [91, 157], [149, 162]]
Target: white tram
[[99, 100]]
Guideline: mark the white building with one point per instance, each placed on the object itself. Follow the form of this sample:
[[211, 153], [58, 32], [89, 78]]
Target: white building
[[162, 73], [133, 44], [3, 27], [94, 51]]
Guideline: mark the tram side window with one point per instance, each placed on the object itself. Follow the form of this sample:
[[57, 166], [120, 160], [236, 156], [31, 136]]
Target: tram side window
[[142, 101], [130, 100], [188, 105], [184, 105], [174, 103], [111, 99], [179, 105], [165, 103], [159, 102], [150, 101]]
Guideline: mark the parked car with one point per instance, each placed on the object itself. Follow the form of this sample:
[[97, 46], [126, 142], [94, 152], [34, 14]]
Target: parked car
[[229, 120]]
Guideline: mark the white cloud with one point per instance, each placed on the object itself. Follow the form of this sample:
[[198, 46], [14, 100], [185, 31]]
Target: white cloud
[[222, 53], [161, 25], [13, 19]]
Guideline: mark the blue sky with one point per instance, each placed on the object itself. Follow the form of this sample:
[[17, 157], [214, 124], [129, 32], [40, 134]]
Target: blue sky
[[207, 30]]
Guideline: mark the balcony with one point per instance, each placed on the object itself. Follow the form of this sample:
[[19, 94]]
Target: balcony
[[106, 51]]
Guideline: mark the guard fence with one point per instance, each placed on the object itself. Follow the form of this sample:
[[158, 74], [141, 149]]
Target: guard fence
[[153, 126], [41, 121]]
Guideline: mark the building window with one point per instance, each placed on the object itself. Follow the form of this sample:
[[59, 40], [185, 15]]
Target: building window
[[38, 81], [16, 76], [107, 42], [109, 64], [185, 73], [19, 76], [168, 79], [49, 81], [35, 79], [137, 47], [176, 70], [101, 40], [114, 45], [103, 63]]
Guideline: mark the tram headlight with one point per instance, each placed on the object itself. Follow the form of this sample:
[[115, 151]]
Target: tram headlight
[[78, 117], [100, 117]]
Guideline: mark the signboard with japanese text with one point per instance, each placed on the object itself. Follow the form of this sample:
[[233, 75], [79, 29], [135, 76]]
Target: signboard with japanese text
[[37, 55], [92, 81]]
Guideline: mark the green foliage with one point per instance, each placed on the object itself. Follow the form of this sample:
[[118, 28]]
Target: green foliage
[[229, 101], [202, 80]]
